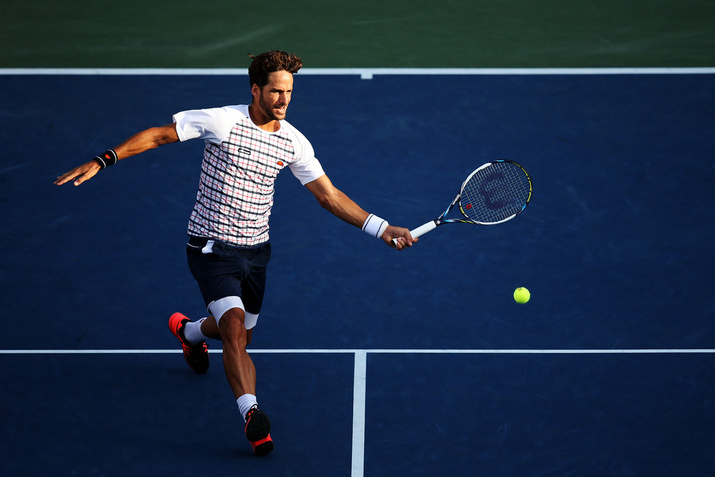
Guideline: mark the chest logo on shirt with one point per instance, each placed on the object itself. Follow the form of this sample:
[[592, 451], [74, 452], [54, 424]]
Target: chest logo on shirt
[[244, 151]]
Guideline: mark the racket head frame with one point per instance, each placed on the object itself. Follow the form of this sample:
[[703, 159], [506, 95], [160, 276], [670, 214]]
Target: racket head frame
[[458, 201], [462, 206]]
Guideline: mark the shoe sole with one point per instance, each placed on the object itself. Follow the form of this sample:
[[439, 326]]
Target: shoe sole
[[258, 433]]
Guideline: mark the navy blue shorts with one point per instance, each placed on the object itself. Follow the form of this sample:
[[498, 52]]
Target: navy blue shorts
[[230, 271]]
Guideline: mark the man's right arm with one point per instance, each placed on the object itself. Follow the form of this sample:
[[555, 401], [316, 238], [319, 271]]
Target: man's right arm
[[138, 143]]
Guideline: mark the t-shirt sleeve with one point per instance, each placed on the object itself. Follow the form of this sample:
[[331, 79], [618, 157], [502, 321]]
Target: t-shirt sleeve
[[212, 125], [306, 168]]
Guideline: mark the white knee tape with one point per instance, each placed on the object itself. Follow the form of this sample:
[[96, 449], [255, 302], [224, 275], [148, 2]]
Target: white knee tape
[[251, 320], [219, 307]]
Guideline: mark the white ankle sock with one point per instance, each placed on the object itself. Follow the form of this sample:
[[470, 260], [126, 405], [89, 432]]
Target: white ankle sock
[[192, 332], [245, 403]]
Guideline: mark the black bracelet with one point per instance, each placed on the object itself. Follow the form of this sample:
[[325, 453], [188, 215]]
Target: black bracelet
[[107, 158]]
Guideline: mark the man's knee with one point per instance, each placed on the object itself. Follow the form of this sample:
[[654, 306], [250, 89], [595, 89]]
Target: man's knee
[[232, 325], [233, 318], [220, 307]]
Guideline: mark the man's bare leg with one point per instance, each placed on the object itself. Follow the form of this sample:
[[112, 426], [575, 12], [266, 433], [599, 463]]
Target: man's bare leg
[[238, 365], [210, 329]]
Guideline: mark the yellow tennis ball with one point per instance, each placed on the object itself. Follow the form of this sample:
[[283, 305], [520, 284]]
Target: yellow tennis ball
[[521, 295]]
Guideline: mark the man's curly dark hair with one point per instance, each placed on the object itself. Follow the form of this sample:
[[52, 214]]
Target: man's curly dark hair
[[270, 62]]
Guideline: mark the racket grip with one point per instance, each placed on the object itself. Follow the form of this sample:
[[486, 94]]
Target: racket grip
[[421, 230]]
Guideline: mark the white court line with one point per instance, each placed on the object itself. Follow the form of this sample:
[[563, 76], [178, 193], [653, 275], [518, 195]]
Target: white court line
[[374, 351], [359, 392], [364, 73]]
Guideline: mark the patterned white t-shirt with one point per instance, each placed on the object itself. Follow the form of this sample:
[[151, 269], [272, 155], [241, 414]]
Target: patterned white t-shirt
[[240, 165]]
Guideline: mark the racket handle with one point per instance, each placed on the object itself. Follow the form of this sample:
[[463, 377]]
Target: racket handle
[[421, 230]]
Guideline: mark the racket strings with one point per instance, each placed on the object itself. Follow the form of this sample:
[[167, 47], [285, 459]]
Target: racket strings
[[495, 193]]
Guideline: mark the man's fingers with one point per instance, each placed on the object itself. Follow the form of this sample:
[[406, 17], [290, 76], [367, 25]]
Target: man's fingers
[[79, 174], [401, 243]]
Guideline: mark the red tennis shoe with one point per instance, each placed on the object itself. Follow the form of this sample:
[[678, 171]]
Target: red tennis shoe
[[258, 431], [196, 355]]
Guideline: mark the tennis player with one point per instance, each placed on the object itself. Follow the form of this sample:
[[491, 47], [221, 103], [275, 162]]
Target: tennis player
[[228, 248]]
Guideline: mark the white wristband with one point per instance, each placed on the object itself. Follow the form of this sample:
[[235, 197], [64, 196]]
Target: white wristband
[[374, 226]]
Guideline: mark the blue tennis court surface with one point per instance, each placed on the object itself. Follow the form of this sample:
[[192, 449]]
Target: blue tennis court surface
[[616, 248]]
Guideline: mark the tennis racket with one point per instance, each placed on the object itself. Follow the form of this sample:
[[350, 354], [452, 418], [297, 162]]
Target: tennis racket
[[494, 193]]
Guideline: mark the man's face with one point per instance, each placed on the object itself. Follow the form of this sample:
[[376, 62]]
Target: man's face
[[274, 97]]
